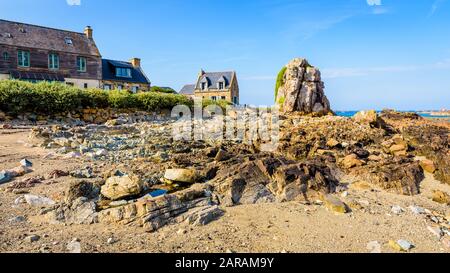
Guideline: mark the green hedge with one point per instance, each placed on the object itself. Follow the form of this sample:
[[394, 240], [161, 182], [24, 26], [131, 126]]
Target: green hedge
[[51, 98]]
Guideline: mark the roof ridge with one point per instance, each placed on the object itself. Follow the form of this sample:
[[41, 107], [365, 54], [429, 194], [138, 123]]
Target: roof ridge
[[116, 60], [219, 72], [33, 25]]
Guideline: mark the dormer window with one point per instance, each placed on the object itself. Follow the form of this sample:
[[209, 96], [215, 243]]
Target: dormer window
[[123, 72], [203, 85], [68, 41], [221, 85]]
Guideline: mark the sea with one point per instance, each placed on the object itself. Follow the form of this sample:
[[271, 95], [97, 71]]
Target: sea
[[425, 115]]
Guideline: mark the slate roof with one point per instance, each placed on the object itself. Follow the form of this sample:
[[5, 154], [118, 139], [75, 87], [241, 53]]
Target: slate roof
[[109, 72], [212, 78], [32, 36], [188, 89]]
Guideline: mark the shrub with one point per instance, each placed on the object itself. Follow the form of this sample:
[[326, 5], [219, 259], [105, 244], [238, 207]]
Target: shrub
[[158, 101], [158, 89], [280, 81], [52, 98], [221, 103]]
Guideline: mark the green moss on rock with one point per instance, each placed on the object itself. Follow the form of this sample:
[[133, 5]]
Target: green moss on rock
[[280, 81]]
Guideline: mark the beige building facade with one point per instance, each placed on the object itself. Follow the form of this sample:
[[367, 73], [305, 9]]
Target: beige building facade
[[214, 86]]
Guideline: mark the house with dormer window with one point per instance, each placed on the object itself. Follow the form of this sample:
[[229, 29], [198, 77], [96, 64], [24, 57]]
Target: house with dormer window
[[214, 86], [124, 76], [36, 53]]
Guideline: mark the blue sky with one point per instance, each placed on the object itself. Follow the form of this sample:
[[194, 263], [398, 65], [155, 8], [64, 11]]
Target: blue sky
[[372, 53]]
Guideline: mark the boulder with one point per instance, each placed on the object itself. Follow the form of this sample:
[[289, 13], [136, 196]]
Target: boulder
[[366, 117], [334, 204], [428, 165], [399, 149], [181, 175], [332, 143], [35, 200], [81, 189], [300, 89], [441, 197], [119, 187], [4, 177], [351, 161], [203, 215]]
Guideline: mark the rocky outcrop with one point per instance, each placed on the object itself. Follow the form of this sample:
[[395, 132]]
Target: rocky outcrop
[[300, 89]]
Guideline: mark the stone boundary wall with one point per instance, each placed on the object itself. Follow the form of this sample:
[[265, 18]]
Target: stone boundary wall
[[87, 116]]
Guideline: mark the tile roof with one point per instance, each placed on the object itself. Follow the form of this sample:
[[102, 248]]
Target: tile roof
[[188, 89], [109, 72], [32, 36], [213, 78]]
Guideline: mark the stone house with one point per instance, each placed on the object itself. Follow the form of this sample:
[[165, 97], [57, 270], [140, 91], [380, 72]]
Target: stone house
[[36, 53], [214, 86], [124, 75]]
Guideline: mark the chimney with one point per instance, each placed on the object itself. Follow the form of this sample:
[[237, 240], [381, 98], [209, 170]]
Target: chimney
[[89, 32], [136, 62]]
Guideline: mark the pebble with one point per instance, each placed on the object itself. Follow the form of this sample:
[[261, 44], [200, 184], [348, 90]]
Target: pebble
[[20, 200], [374, 247], [397, 210], [417, 210], [26, 163], [74, 246], [446, 242], [17, 219], [111, 241], [437, 231], [32, 238], [401, 245], [181, 231]]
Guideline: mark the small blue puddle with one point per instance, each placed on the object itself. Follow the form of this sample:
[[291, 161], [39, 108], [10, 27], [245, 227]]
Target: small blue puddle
[[157, 193]]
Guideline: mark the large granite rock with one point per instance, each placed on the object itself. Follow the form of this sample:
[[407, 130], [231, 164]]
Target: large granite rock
[[300, 89], [118, 187]]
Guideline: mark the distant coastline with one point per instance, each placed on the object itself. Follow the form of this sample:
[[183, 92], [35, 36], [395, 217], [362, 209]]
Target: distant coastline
[[445, 115]]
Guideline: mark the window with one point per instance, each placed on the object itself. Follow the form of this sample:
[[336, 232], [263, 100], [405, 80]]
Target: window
[[135, 89], [119, 87], [107, 87], [81, 64], [68, 41], [123, 72], [221, 85], [53, 61], [23, 58], [203, 85], [235, 100], [5, 56], [223, 98], [85, 85], [70, 84], [214, 98]]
